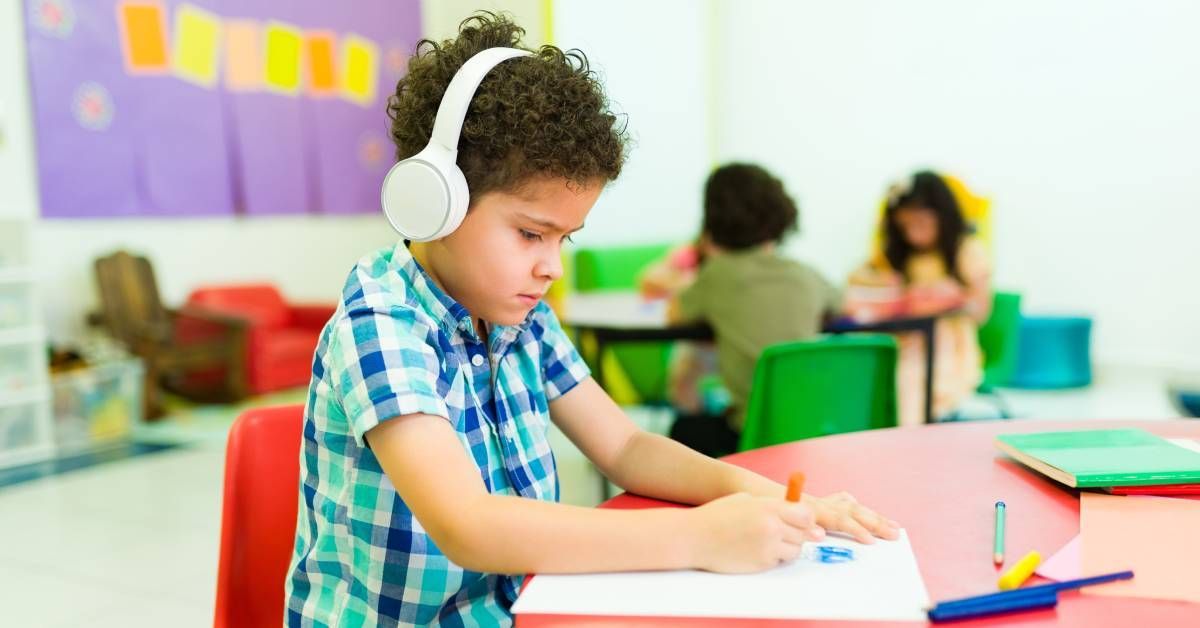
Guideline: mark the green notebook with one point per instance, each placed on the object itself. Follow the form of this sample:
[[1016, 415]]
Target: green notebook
[[1102, 458]]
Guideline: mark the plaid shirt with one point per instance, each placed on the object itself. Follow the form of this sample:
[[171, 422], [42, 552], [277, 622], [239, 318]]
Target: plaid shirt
[[398, 345]]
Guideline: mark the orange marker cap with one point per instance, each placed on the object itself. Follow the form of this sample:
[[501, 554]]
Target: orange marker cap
[[795, 487]]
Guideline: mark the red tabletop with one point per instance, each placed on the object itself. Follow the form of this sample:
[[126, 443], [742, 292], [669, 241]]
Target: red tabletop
[[941, 483]]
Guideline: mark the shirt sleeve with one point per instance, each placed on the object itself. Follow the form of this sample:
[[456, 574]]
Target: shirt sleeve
[[562, 366], [383, 365]]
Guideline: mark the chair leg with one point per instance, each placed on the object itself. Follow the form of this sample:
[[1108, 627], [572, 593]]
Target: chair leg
[[998, 400], [152, 408]]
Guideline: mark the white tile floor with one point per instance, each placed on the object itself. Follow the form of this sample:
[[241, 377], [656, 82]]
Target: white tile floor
[[134, 543], [130, 543]]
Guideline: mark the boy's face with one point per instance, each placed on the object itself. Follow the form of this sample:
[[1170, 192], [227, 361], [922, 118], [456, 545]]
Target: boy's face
[[508, 250]]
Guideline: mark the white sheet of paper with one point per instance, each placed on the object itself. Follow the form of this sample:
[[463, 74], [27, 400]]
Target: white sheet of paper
[[1186, 443], [881, 583]]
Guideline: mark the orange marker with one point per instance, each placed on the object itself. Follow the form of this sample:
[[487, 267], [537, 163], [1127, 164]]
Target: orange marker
[[795, 487]]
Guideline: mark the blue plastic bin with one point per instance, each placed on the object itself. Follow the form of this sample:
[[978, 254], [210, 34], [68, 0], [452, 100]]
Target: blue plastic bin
[[1055, 352]]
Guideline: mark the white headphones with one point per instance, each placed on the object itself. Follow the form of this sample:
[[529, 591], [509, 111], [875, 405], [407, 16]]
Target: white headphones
[[425, 197]]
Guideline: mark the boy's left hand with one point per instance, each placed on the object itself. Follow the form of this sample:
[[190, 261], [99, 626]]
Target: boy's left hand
[[840, 512]]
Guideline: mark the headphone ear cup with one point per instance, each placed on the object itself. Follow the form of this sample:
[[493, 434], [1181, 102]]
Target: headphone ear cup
[[460, 200], [420, 194]]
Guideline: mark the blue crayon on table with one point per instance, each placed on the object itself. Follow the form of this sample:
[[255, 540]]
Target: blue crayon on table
[[1035, 591], [1043, 600]]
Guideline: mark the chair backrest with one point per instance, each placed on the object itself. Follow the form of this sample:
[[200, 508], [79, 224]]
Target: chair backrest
[[614, 268], [129, 297], [258, 516], [618, 268], [819, 387], [261, 304], [1000, 339]]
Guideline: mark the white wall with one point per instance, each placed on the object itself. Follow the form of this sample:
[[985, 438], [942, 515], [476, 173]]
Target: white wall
[[652, 56], [17, 188], [440, 18], [1079, 118]]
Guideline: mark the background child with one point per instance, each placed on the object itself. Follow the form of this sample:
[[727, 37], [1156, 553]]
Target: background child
[[428, 486], [752, 296], [928, 252]]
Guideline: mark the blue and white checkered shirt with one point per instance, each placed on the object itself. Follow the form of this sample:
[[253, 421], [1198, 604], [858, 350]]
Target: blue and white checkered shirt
[[398, 345]]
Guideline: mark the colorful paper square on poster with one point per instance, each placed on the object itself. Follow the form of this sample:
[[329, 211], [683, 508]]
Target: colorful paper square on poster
[[284, 43], [243, 55], [360, 69], [143, 37], [197, 44], [318, 53]]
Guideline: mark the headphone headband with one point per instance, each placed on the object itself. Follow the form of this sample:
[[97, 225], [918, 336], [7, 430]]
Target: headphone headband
[[457, 98]]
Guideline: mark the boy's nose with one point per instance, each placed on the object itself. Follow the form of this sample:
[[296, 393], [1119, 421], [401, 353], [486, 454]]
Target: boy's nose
[[550, 266]]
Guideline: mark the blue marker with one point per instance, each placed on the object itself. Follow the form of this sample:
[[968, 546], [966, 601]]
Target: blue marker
[[829, 554]]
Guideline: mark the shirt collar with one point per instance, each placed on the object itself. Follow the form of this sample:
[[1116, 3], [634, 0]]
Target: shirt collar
[[451, 315]]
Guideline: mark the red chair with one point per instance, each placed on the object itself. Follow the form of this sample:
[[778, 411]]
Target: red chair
[[281, 337], [258, 517]]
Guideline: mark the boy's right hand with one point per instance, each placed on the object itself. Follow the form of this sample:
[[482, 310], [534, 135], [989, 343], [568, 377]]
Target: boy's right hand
[[741, 533]]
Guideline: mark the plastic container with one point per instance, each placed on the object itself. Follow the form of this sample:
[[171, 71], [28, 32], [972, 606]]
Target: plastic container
[[97, 406]]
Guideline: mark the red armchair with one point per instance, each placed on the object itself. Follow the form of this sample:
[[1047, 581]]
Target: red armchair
[[280, 339]]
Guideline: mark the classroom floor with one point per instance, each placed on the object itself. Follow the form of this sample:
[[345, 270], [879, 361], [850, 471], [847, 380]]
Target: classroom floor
[[134, 542]]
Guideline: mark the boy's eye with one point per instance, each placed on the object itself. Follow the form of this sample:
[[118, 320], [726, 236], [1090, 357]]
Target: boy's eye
[[529, 235], [568, 238]]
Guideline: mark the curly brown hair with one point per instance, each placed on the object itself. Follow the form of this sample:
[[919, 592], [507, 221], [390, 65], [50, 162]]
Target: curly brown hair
[[744, 206], [544, 115]]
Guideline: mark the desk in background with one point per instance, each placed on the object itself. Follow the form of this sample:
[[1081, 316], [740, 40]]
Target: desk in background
[[626, 317]]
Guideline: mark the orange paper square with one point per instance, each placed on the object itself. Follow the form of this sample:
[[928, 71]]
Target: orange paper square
[[143, 36], [1153, 536], [319, 52]]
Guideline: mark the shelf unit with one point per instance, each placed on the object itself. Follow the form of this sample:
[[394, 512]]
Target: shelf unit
[[26, 428]]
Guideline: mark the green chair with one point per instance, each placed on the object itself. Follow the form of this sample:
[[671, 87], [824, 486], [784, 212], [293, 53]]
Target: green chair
[[614, 268], [819, 387], [999, 340], [618, 268]]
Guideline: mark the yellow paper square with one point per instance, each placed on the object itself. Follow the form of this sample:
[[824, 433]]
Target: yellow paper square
[[243, 55], [197, 39], [360, 73], [284, 42]]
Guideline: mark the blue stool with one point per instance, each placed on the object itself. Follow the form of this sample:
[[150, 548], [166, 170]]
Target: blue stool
[[1186, 399], [1055, 352]]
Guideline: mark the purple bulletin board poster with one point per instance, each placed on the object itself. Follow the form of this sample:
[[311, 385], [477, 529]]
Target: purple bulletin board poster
[[214, 107]]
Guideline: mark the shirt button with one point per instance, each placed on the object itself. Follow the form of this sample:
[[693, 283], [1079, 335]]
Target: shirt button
[[477, 360]]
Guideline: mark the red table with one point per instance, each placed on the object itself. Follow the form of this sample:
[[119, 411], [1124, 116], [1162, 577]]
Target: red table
[[941, 483]]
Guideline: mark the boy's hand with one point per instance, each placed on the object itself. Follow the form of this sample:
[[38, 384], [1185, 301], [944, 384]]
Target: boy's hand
[[840, 512], [741, 533]]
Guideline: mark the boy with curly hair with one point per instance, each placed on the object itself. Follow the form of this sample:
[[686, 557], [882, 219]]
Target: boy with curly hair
[[427, 482]]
